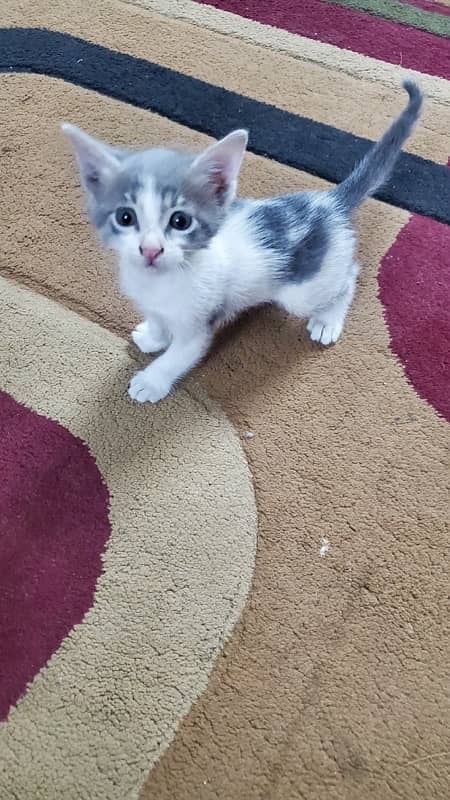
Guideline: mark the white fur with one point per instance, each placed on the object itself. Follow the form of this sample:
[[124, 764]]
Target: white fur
[[189, 288], [297, 253], [233, 274]]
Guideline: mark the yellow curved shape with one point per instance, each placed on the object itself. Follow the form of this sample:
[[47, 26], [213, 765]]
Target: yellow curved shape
[[177, 569]]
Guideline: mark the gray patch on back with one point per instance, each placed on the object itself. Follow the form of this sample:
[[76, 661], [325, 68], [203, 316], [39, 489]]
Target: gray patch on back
[[306, 257], [272, 220], [296, 228]]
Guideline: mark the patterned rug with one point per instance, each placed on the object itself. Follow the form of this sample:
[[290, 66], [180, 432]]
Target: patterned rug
[[151, 645]]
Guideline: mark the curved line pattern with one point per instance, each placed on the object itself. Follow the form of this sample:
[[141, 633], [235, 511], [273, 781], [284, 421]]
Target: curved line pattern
[[176, 572], [417, 184]]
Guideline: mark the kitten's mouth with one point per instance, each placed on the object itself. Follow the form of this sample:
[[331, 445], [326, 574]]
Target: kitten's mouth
[[153, 265]]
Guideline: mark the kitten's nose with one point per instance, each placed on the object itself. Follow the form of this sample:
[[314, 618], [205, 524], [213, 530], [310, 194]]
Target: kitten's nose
[[151, 253]]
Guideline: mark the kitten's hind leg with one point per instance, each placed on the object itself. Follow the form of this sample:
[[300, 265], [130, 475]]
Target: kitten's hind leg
[[150, 337], [326, 323]]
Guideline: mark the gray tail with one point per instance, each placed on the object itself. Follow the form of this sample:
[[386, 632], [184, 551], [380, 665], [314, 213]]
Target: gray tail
[[376, 166]]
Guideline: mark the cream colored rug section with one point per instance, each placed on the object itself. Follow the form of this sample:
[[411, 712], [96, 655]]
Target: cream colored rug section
[[299, 47], [176, 572]]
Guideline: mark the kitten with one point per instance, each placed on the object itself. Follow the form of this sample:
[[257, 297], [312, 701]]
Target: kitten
[[192, 257]]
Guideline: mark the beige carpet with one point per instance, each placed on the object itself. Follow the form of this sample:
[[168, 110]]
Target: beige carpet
[[176, 570], [334, 683]]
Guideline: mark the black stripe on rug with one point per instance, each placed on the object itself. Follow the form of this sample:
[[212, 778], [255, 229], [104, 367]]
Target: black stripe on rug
[[417, 184]]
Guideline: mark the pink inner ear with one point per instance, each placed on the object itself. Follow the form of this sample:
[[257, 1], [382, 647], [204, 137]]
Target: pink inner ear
[[92, 173], [219, 179]]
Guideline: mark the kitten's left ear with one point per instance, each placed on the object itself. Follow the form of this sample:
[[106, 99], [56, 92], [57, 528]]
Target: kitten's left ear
[[216, 170], [98, 162]]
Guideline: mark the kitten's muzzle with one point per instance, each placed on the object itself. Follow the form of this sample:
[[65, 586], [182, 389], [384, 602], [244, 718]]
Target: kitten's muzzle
[[151, 254]]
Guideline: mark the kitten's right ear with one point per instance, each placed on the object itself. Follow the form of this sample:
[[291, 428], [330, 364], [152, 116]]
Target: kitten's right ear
[[97, 161], [214, 173]]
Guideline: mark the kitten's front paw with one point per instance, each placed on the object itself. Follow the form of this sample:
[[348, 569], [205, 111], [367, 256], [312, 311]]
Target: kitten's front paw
[[324, 334], [146, 340], [147, 387]]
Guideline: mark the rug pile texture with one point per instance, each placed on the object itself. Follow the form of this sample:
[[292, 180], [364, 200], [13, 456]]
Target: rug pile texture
[[243, 592]]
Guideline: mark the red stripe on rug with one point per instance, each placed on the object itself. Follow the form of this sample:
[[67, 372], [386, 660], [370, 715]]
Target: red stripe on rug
[[414, 281], [428, 5], [350, 30], [54, 527]]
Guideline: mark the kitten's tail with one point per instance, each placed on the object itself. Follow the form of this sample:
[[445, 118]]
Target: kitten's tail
[[376, 166]]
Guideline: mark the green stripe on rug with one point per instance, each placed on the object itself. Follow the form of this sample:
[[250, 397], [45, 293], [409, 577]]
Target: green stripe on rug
[[396, 11]]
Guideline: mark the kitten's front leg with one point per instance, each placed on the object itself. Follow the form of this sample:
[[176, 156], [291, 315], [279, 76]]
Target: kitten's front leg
[[155, 381], [150, 336]]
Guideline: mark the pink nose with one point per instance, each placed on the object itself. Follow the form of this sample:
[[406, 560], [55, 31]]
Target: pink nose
[[151, 253]]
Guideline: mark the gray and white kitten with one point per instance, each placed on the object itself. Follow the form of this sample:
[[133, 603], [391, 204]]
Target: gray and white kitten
[[192, 257]]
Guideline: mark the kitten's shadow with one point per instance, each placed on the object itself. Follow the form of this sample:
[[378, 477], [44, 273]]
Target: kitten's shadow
[[248, 359], [254, 354]]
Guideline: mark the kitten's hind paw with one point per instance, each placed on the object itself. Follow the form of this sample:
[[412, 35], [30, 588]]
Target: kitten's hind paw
[[147, 339], [324, 334]]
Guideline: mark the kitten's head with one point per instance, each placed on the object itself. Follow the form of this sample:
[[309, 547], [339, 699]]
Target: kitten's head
[[158, 207]]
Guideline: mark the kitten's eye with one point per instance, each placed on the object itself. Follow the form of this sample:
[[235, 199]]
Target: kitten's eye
[[126, 217], [180, 221]]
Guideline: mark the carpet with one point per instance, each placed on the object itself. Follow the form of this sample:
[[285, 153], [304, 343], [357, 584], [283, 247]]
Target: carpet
[[152, 646]]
